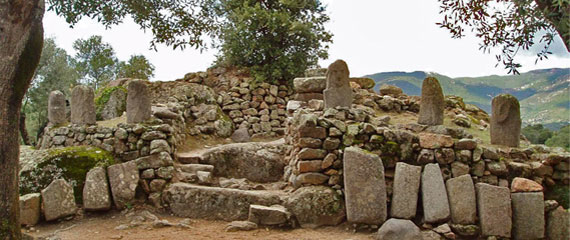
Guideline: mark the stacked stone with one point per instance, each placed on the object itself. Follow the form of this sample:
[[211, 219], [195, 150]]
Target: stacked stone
[[311, 86], [209, 119], [386, 102], [260, 109]]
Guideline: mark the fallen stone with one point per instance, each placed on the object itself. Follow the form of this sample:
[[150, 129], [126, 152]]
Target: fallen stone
[[495, 213], [434, 195], [405, 191], [274, 215], [240, 226], [364, 183], [96, 196], [58, 200], [30, 209], [398, 229], [462, 202], [528, 215]]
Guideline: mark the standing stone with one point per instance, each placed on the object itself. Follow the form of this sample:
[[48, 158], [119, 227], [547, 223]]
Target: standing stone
[[462, 202], [138, 102], [56, 108], [432, 103], [365, 188], [58, 200], [528, 215], [505, 121], [434, 196], [398, 229], [83, 105], [406, 189], [30, 209], [494, 206], [558, 224], [124, 179], [96, 196], [338, 92]]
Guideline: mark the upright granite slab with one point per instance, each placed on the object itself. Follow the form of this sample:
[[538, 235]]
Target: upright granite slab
[[338, 92], [505, 121], [365, 188], [495, 213], [83, 105], [58, 200], [56, 108], [462, 202], [558, 224], [30, 209], [432, 103], [138, 102], [434, 195], [123, 179], [405, 191], [96, 196], [528, 215]]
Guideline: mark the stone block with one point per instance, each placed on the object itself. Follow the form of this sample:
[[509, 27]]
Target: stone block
[[405, 191], [495, 212], [434, 195], [462, 201]]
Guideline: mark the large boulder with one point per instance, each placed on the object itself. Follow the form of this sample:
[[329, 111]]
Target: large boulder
[[364, 183], [123, 179], [96, 195], [432, 103], [391, 90], [58, 200], [315, 206], [505, 121], [338, 92], [83, 105], [398, 229]]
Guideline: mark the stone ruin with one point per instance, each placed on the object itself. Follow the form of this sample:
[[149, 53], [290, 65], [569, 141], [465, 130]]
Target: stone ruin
[[338, 92], [505, 121], [338, 163]]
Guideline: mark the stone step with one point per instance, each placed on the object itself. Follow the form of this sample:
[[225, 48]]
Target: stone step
[[189, 157], [195, 201], [194, 168]]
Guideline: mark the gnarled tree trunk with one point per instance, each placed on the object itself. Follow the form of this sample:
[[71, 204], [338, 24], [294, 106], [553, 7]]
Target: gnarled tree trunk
[[21, 40]]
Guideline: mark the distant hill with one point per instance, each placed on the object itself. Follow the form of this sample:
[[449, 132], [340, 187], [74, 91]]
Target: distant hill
[[544, 94]]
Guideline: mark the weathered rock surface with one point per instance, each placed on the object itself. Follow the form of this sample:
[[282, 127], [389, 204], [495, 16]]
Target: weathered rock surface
[[505, 121], [138, 102], [96, 195], [115, 105], [30, 209], [240, 226], [310, 84], [56, 108], [558, 224], [525, 185], [83, 105], [364, 184], [462, 202], [193, 201], [273, 215], [391, 90], [315, 206], [434, 141], [494, 206], [58, 200], [240, 135], [405, 191], [338, 92], [123, 179], [528, 215], [434, 195], [398, 229], [432, 103]]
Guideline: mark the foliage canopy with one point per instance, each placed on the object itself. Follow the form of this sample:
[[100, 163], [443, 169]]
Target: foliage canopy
[[137, 67], [95, 60]]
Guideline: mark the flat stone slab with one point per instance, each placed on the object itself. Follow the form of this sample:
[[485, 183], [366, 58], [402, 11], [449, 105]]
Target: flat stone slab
[[96, 195], [405, 191], [273, 215], [194, 201], [462, 201], [364, 186], [495, 213], [434, 195], [528, 215], [123, 179]]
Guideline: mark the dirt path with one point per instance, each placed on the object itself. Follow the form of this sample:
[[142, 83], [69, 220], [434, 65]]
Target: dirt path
[[103, 226]]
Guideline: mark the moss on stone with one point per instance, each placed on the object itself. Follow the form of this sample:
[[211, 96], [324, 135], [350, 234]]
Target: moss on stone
[[103, 96], [70, 163], [390, 148]]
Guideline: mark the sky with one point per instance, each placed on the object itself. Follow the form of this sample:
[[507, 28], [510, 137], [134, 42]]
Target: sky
[[371, 36]]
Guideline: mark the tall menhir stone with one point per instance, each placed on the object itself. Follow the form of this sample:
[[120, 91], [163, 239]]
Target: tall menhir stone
[[338, 92], [138, 102], [432, 103], [505, 121], [56, 108], [406, 189], [365, 188], [434, 195], [83, 105]]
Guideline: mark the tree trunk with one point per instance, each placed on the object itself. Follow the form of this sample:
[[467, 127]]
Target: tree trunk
[[23, 130], [21, 40]]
